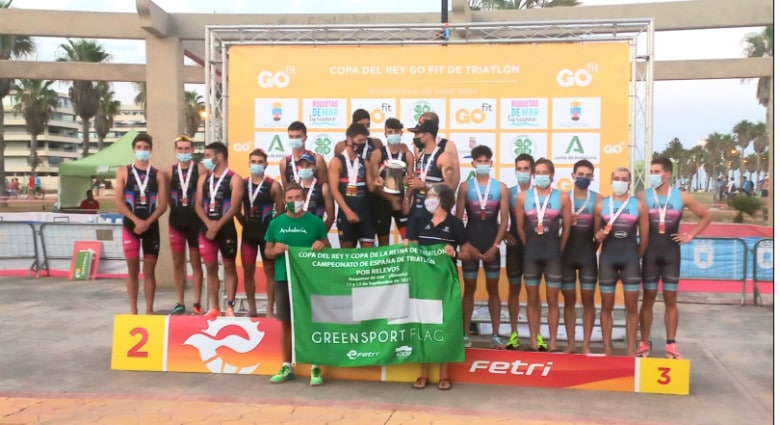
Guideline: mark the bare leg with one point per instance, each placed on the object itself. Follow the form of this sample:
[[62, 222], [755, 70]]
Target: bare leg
[[588, 318], [197, 274], [231, 278], [513, 305], [469, 287], [383, 240], [179, 275], [494, 303], [671, 315], [607, 305], [150, 282], [570, 317], [268, 269], [133, 269], [249, 287], [212, 284], [534, 312], [646, 313], [632, 320], [553, 315], [287, 342]]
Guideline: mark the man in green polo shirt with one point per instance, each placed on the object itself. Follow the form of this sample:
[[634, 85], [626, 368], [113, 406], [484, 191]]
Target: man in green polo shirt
[[297, 228]]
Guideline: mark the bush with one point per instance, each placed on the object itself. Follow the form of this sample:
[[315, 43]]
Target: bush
[[744, 204]]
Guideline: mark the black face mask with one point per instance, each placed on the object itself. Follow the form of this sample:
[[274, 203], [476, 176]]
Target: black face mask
[[358, 148], [419, 143]]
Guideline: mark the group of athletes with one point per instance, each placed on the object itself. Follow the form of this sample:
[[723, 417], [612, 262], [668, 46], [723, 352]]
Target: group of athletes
[[563, 237]]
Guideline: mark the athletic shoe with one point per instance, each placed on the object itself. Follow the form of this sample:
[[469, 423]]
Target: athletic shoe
[[514, 341], [229, 312], [497, 343], [540, 344], [178, 310], [316, 377], [671, 351], [643, 350], [213, 313], [285, 374], [467, 341], [197, 310]]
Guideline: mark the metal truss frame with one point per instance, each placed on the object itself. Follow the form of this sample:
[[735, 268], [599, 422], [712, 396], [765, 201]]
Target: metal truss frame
[[638, 33]]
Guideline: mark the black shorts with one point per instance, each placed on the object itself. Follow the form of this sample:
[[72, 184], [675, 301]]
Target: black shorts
[[623, 266], [383, 215], [362, 231], [514, 263], [282, 301], [534, 267], [661, 264], [587, 266]]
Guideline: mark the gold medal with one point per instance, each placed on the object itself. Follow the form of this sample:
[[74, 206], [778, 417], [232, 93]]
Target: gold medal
[[351, 190]]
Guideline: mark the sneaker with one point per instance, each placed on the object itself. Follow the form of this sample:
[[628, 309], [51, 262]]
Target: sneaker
[[643, 350], [229, 312], [213, 313], [497, 343], [178, 310], [197, 310], [285, 374], [514, 341], [316, 377], [467, 341], [540, 344], [671, 351]]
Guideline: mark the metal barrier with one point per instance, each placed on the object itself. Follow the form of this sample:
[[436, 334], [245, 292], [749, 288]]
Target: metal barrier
[[57, 240], [715, 259], [15, 244], [763, 257]]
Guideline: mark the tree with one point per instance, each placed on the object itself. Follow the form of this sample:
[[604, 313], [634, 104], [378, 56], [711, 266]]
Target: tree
[[676, 152], [83, 94], [744, 134], [761, 45], [695, 157], [140, 96], [520, 4], [11, 47], [715, 148], [760, 145], [193, 106], [36, 101], [104, 119]]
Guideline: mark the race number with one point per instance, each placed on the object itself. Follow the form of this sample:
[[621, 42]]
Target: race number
[[664, 376], [138, 342]]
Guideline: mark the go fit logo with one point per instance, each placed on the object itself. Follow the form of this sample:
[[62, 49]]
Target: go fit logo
[[475, 116], [581, 77], [278, 79]]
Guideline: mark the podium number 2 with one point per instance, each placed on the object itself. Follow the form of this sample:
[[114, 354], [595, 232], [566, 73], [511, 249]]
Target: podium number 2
[[135, 351], [664, 375]]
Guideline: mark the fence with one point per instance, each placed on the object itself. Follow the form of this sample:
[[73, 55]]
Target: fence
[[18, 242], [57, 240], [763, 265]]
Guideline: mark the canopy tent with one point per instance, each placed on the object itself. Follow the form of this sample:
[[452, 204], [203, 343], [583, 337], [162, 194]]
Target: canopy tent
[[76, 176]]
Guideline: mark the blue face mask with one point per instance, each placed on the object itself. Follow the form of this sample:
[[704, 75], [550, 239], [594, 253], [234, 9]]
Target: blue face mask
[[209, 164], [143, 155], [306, 173], [582, 182], [656, 181], [184, 157], [523, 177], [542, 181], [296, 143], [256, 169], [394, 139], [483, 169]]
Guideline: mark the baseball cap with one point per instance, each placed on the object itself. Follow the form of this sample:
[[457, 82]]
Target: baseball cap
[[306, 156], [425, 125]]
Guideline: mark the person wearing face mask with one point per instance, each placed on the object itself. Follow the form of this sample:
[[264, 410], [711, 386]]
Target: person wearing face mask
[[514, 246], [486, 203], [317, 194], [543, 221], [183, 223], [362, 117], [386, 207], [355, 182], [618, 220], [142, 197], [262, 198], [580, 257], [662, 258], [217, 201], [288, 167], [297, 228], [437, 227]]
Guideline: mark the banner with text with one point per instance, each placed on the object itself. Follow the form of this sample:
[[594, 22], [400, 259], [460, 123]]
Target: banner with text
[[375, 306]]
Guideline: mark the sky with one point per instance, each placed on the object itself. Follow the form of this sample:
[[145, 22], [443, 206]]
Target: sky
[[688, 110]]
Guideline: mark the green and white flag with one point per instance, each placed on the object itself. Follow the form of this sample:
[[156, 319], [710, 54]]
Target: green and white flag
[[375, 306]]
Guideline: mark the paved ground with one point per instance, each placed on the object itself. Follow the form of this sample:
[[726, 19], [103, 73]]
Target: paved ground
[[55, 348]]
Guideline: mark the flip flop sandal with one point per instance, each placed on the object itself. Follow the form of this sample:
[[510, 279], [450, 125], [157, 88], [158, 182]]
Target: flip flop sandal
[[420, 384], [445, 384]]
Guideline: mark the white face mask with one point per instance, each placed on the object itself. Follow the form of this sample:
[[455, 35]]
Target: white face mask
[[619, 187], [431, 204]]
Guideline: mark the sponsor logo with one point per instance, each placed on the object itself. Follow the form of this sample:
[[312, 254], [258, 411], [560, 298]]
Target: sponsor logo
[[613, 149], [354, 354], [703, 254], [242, 147], [404, 351], [475, 116], [276, 144], [420, 108], [575, 110], [524, 113], [516, 367], [278, 79], [379, 115], [580, 77], [764, 254], [239, 336], [322, 144], [524, 144], [276, 111], [575, 146], [293, 230], [324, 112]]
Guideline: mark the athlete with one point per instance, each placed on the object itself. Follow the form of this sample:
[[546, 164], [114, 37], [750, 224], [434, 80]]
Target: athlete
[[618, 220], [448, 145], [362, 117], [295, 228], [662, 259], [318, 198], [485, 201], [579, 257], [262, 200], [142, 199], [432, 165], [543, 221], [288, 169], [440, 226], [183, 223], [514, 246], [386, 207], [355, 181], [217, 201]]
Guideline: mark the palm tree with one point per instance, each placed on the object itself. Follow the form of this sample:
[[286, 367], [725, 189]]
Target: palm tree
[[140, 96], [761, 45], [744, 133], [760, 144], [36, 101], [193, 106], [104, 119], [676, 152], [696, 156], [520, 4], [11, 47], [83, 94], [716, 147]]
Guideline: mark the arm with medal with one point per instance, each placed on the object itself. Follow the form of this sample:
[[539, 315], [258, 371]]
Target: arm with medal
[[334, 171]]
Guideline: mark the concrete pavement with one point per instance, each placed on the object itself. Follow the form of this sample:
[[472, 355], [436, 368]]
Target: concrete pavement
[[55, 349]]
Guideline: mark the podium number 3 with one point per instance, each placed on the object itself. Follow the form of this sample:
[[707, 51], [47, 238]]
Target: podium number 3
[[135, 351], [664, 377]]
